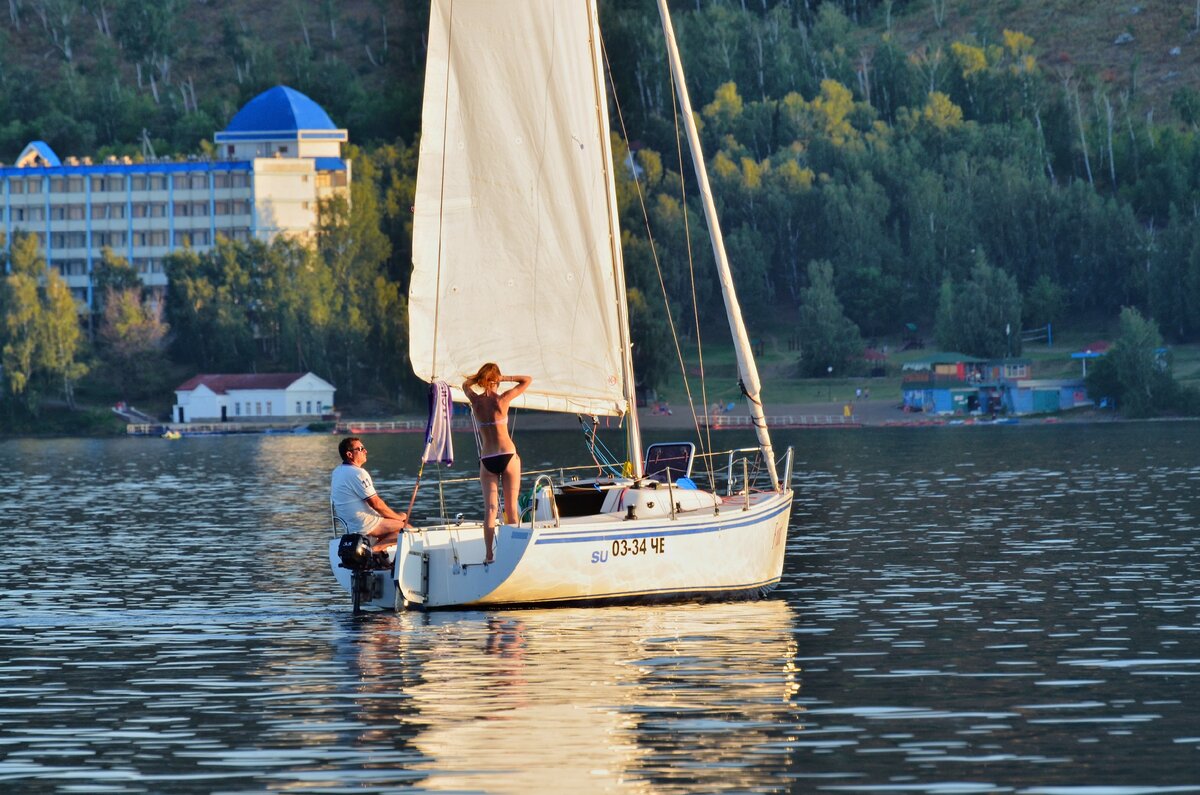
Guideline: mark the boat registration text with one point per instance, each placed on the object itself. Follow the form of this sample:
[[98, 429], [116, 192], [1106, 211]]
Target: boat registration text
[[622, 547]]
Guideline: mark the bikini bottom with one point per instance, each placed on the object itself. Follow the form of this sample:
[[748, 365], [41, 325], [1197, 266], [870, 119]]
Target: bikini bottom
[[497, 462]]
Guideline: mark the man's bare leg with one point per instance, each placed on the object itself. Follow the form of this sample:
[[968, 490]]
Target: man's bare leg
[[386, 533]]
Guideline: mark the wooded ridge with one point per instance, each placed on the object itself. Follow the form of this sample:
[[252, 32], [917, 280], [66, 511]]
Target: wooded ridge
[[877, 162]]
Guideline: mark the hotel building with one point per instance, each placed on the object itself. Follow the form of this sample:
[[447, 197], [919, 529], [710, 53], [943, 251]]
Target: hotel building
[[279, 156]]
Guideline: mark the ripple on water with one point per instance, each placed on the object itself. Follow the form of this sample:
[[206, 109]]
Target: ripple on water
[[973, 611]]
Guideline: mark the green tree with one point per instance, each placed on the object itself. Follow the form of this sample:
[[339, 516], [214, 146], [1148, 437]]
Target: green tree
[[41, 334], [652, 341], [828, 337], [1136, 370], [208, 301], [648, 326], [1044, 302], [365, 304], [113, 272], [132, 341], [59, 337], [982, 315], [22, 315]]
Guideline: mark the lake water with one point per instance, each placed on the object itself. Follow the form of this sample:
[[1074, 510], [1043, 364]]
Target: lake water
[[963, 610]]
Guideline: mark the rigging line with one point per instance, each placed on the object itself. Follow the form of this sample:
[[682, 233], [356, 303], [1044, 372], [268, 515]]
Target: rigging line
[[654, 251], [610, 465], [687, 237], [437, 284], [412, 500]]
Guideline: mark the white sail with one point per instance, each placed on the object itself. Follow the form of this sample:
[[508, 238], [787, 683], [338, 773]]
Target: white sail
[[514, 254]]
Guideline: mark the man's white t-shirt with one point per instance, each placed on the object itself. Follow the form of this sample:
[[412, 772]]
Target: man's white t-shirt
[[349, 488]]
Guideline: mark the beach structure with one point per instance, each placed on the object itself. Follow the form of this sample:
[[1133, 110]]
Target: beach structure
[[949, 383]]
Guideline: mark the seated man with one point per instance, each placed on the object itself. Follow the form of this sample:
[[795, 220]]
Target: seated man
[[356, 502]]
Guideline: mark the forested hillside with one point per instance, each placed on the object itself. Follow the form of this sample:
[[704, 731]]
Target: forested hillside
[[88, 76], [964, 165]]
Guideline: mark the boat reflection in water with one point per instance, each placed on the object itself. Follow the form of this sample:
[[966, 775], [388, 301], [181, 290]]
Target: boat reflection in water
[[675, 697]]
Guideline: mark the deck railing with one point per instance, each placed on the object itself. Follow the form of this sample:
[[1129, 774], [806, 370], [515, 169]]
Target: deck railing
[[725, 421]]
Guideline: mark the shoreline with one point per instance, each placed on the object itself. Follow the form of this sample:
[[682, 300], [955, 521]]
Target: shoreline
[[792, 416]]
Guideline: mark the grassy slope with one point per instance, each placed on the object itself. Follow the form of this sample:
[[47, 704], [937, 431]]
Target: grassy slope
[[1075, 40]]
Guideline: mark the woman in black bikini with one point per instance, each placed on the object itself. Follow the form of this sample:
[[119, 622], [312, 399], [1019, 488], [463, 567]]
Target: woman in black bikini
[[499, 463]]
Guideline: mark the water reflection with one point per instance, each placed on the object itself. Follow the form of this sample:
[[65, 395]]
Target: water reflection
[[1006, 609], [526, 701]]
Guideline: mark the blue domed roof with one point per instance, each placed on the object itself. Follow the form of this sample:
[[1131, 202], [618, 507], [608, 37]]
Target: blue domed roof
[[280, 109]]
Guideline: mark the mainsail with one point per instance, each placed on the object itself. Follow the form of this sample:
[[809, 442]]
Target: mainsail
[[516, 256]]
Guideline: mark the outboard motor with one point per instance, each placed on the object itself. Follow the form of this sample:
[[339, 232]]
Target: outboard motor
[[355, 553], [354, 550]]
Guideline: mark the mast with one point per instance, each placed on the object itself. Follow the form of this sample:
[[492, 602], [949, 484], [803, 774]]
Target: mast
[[747, 370], [632, 429]]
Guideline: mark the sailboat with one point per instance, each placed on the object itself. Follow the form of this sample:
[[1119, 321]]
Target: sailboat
[[517, 260]]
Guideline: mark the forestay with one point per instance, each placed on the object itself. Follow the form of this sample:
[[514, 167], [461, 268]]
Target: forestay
[[515, 255]]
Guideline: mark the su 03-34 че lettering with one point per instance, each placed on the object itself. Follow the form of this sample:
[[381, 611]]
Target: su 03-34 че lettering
[[622, 547], [638, 546]]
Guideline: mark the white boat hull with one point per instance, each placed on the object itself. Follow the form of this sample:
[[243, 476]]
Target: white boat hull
[[733, 549]]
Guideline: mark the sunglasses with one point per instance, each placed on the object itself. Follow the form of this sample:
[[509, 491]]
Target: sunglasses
[[358, 449]]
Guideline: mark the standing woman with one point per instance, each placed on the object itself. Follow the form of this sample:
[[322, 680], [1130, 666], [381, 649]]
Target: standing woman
[[499, 463]]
